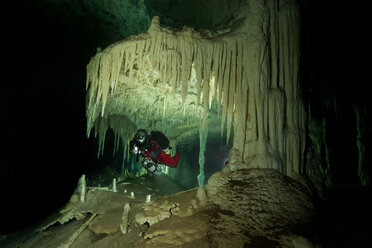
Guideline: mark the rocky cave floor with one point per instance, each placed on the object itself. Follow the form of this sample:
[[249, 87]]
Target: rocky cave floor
[[176, 217]]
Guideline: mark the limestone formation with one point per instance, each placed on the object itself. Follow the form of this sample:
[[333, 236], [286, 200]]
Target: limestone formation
[[155, 212], [125, 219], [114, 189], [259, 202], [81, 188], [245, 76]]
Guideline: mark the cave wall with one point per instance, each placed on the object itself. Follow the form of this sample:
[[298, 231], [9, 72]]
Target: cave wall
[[199, 14], [336, 97], [46, 46]]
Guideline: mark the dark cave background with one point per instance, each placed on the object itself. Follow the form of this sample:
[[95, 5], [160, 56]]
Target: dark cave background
[[46, 46]]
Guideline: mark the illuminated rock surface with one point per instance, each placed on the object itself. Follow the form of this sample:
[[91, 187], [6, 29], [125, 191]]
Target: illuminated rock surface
[[229, 212]]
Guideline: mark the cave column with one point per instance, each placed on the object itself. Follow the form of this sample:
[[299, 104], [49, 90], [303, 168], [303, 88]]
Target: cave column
[[289, 62], [274, 125], [203, 135]]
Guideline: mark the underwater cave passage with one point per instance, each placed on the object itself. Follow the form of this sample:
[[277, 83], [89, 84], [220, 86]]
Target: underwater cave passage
[[198, 161]]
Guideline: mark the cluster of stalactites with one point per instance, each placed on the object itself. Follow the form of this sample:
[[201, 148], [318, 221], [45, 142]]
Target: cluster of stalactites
[[123, 130], [254, 77], [218, 64]]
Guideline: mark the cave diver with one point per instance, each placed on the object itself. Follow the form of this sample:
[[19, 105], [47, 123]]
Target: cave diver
[[153, 147]]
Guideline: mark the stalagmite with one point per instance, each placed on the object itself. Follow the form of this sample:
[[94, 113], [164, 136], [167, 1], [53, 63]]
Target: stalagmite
[[148, 198], [125, 219], [82, 188], [114, 189]]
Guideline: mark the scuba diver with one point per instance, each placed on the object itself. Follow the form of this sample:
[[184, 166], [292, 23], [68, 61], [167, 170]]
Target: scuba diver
[[153, 147]]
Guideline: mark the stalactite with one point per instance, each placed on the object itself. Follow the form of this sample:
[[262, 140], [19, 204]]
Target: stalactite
[[116, 123], [215, 69], [186, 66], [128, 150], [212, 99], [173, 143], [207, 63], [232, 83], [125, 151], [102, 128], [226, 78], [164, 105], [198, 58], [221, 66], [117, 141]]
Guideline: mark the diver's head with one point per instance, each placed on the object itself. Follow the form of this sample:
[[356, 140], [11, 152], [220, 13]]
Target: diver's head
[[140, 137]]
